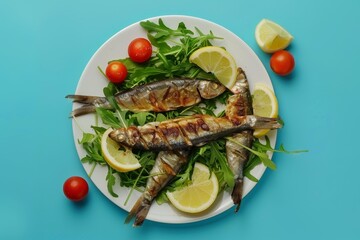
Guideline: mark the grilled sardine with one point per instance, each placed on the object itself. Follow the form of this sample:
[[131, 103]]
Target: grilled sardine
[[186, 132], [159, 96]]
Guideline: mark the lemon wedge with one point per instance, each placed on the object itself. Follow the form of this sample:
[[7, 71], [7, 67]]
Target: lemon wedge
[[265, 104], [271, 37], [122, 161], [199, 195], [217, 61]]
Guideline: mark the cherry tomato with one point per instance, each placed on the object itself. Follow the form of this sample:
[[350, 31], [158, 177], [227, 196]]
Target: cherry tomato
[[75, 188], [116, 72], [282, 62], [140, 50]]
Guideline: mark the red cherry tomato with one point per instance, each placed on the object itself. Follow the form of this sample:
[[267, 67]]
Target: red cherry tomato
[[116, 72], [282, 62], [140, 50], [76, 188]]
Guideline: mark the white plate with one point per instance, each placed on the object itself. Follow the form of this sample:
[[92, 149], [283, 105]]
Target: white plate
[[92, 83]]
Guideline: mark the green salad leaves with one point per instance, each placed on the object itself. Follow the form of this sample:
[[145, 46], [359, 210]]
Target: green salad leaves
[[171, 55]]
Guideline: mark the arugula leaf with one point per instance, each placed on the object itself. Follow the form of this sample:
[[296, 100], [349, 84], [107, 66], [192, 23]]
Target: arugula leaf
[[87, 159], [160, 117], [141, 117], [108, 117], [163, 32], [99, 130], [224, 170], [250, 165], [261, 149], [111, 180], [184, 178], [92, 146], [87, 137], [262, 155], [162, 198]]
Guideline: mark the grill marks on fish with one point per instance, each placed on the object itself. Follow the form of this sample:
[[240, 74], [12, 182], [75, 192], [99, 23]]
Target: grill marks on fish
[[239, 104], [186, 132], [167, 166], [156, 96]]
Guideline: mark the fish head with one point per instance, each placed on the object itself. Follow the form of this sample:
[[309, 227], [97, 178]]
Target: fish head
[[210, 89], [118, 135], [241, 84]]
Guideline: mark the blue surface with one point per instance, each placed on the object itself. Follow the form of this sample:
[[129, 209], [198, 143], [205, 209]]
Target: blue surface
[[44, 47]]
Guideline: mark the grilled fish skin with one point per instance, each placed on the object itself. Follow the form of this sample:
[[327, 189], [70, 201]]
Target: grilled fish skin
[[186, 132], [167, 166], [159, 96], [239, 104]]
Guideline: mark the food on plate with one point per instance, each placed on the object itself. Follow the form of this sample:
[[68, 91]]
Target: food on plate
[[272, 37], [120, 160], [265, 104], [166, 114], [199, 195], [282, 62], [159, 96], [140, 50], [167, 166], [116, 72], [239, 104], [182, 133], [75, 188], [217, 61]]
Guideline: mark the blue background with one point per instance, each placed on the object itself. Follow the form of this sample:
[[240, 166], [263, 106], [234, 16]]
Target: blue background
[[44, 47]]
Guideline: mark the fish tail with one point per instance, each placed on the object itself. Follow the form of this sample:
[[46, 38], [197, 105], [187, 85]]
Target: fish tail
[[91, 102], [82, 98], [236, 194], [139, 211], [258, 122], [83, 110]]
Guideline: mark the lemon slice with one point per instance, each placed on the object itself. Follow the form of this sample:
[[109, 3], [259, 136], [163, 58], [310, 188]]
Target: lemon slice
[[217, 61], [265, 104], [122, 161], [271, 37], [199, 195]]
